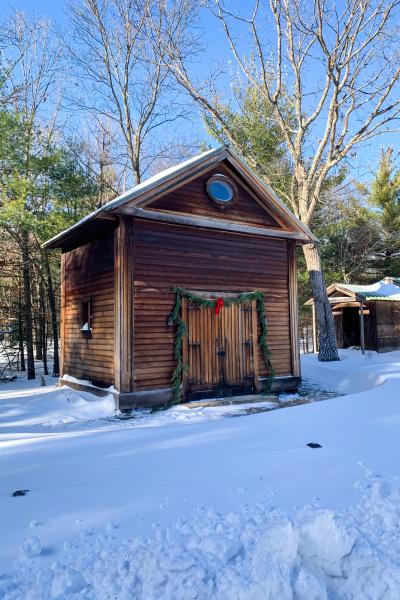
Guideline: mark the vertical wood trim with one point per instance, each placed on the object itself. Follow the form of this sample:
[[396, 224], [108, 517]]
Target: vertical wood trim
[[124, 305], [185, 351], [375, 325], [314, 329], [293, 309], [62, 316], [362, 334], [254, 326]]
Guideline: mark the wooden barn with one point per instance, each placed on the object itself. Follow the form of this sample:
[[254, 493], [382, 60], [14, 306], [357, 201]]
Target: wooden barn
[[183, 287], [365, 315]]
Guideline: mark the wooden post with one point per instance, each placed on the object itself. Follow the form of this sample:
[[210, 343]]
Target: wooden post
[[185, 352], [293, 309], [314, 329], [254, 329], [362, 337], [124, 304], [62, 315]]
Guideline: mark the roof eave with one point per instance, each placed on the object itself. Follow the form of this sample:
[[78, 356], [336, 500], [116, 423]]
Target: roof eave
[[271, 195], [59, 240], [337, 287], [110, 209], [203, 161]]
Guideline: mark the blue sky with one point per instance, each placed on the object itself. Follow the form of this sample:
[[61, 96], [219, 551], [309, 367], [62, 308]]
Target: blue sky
[[217, 51]]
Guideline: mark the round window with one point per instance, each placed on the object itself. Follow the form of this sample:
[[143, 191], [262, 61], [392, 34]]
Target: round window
[[221, 189]]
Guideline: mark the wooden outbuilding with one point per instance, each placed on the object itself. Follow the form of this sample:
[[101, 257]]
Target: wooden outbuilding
[[367, 316], [164, 289]]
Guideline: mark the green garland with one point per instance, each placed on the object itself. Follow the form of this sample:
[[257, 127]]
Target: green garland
[[181, 330]]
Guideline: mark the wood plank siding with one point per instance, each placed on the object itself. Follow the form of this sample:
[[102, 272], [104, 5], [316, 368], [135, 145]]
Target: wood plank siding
[[171, 255], [388, 325], [216, 238], [89, 274], [192, 199], [221, 349]]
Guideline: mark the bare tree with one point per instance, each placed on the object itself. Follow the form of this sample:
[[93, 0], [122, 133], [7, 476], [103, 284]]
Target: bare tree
[[336, 70], [125, 82], [9, 61], [35, 56]]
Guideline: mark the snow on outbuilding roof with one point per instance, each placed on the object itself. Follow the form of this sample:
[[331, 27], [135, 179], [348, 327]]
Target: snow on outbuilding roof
[[385, 289]]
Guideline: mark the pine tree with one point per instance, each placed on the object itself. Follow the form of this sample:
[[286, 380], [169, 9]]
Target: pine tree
[[384, 195]]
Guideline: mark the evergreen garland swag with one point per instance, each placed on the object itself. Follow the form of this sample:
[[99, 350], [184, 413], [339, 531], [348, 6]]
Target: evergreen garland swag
[[181, 330]]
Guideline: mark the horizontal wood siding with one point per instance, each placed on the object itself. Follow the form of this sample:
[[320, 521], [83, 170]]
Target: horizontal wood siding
[[89, 274], [170, 255], [388, 325], [192, 199]]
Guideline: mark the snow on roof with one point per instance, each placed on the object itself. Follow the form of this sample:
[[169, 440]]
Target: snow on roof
[[139, 189], [165, 175], [385, 289]]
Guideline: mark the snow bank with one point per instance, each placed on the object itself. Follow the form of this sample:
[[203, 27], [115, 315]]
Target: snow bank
[[53, 406], [86, 383], [259, 553], [50, 406], [100, 518], [355, 372], [72, 406]]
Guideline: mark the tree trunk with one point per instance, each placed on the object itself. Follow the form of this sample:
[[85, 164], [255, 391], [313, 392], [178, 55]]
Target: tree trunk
[[38, 341], [42, 327], [38, 326], [326, 326], [21, 334], [28, 306], [53, 314], [44, 353]]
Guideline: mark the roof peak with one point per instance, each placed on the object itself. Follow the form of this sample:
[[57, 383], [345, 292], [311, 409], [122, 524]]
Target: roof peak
[[164, 174], [162, 181]]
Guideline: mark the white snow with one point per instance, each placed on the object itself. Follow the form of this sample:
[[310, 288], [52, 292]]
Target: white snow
[[189, 503], [356, 372], [385, 288], [142, 187], [85, 382], [31, 547]]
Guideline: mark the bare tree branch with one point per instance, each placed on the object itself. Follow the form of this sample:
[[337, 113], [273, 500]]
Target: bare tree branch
[[129, 82], [336, 72]]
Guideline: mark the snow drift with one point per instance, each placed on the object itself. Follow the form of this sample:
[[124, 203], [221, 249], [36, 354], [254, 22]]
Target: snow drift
[[260, 553], [189, 504]]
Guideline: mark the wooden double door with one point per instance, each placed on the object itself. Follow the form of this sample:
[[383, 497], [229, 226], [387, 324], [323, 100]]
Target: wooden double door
[[220, 351]]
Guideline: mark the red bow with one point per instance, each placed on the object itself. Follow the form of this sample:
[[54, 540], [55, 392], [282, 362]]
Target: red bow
[[219, 303]]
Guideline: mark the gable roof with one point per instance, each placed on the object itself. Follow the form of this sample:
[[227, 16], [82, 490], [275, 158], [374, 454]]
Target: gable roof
[[160, 182], [385, 289]]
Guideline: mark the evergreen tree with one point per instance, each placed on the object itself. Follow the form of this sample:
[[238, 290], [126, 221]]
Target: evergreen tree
[[384, 195], [43, 190], [350, 235], [253, 127]]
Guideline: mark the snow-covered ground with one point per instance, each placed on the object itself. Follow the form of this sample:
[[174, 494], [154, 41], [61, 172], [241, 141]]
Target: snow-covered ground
[[189, 503]]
